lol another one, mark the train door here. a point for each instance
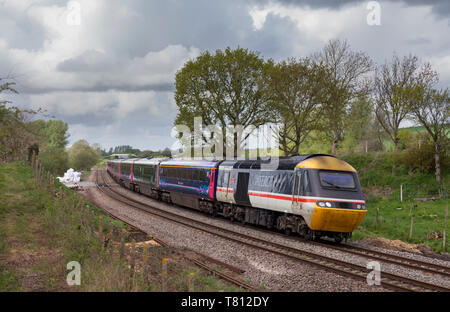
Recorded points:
(296, 191)
(228, 188)
(241, 195)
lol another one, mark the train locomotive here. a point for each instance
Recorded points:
(314, 195)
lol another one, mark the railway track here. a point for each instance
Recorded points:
(202, 264)
(427, 267)
(345, 268)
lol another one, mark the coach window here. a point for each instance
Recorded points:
(202, 175)
(195, 175)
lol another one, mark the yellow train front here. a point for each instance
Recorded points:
(312, 195)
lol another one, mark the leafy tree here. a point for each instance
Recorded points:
(358, 122)
(391, 101)
(54, 159)
(349, 81)
(56, 133)
(82, 156)
(431, 108)
(225, 88)
(15, 134)
(296, 87)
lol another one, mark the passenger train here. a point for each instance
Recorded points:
(314, 195)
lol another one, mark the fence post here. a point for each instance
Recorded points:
(164, 275)
(411, 227)
(122, 243)
(401, 192)
(146, 265)
(376, 217)
(100, 231)
(132, 256)
(191, 282)
(444, 243)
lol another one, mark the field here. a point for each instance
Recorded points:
(421, 201)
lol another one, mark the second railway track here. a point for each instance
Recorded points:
(353, 270)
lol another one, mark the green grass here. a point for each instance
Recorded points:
(382, 191)
(9, 280)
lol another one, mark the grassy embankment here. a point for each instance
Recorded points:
(382, 191)
(40, 234)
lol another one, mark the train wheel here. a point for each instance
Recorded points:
(287, 231)
(338, 239)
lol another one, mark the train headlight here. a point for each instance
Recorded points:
(321, 204)
(328, 204)
(358, 206)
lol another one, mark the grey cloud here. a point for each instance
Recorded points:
(440, 8)
(99, 87)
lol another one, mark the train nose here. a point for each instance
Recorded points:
(336, 219)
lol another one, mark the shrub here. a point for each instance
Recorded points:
(421, 158)
(54, 159)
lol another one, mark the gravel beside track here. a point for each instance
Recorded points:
(261, 268)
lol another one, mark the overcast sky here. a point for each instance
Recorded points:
(107, 67)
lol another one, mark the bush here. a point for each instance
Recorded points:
(54, 159)
(421, 159)
(82, 156)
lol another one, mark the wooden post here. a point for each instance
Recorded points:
(366, 147)
(164, 275)
(110, 244)
(401, 192)
(191, 282)
(132, 257)
(444, 243)
(411, 227)
(100, 231)
(146, 265)
(122, 244)
(52, 185)
(376, 217)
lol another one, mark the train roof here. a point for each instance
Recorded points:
(149, 161)
(191, 163)
(284, 163)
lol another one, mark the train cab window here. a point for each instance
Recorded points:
(337, 180)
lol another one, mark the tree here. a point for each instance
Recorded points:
(349, 81)
(82, 156)
(16, 136)
(227, 88)
(431, 108)
(296, 88)
(358, 122)
(391, 102)
(56, 133)
(54, 159)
